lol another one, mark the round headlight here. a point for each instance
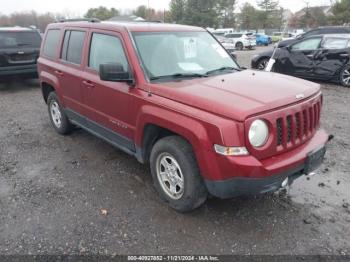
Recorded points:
(258, 133)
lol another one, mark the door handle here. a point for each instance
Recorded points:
(310, 56)
(57, 72)
(344, 55)
(88, 83)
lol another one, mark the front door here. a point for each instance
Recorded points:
(298, 59)
(109, 104)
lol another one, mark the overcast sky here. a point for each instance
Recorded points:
(79, 7)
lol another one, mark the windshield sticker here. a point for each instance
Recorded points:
(190, 66)
(220, 51)
(190, 47)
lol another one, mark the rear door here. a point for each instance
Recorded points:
(332, 57)
(299, 59)
(69, 68)
(19, 48)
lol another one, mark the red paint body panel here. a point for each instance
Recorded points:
(205, 111)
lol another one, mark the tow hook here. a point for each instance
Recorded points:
(330, 138)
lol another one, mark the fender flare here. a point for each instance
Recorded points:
(190, 129)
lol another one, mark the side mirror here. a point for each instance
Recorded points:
(115, 73)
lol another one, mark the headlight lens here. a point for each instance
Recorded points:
(258, 133)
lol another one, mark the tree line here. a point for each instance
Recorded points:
(205, 13)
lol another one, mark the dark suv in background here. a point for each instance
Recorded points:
(327, 30)
(19, 51)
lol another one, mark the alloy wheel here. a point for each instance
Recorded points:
(170, 176)
(345, 77)
(56, 114)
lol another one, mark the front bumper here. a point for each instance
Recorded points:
(250, 176)
(19, 70)
(251, 186)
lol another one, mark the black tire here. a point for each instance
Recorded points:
(65, 127)
(344, 76)
(239, 46)
(262, 63)
(194, 192)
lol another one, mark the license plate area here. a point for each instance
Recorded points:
(314, 159)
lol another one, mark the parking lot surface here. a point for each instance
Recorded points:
(78, 195)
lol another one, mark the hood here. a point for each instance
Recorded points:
(238, 95)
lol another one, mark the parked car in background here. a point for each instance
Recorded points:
(276, 37)
(324, 57)
(19, 51)
(288, 36)
(242, 40)
(222, 31)
(228, 44)
(262, 39)
(316, 31)
(204, 125)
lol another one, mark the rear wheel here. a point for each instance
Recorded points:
(176, 175)
(345, 76)
(239, 46)
(58, 118)
(262, 63)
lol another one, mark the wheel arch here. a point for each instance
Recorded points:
(156, 123)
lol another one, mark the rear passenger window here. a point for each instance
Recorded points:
(106, 49)
(335, 43)
(51, 43)
(73, 46)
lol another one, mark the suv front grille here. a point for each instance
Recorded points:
(290, 127)
(298, 127)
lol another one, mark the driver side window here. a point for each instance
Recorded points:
(308, 44)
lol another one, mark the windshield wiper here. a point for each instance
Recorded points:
(178, 76)
(224, 68)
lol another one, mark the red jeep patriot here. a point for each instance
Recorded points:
(173, 97)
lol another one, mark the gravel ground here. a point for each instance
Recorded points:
(52, 190)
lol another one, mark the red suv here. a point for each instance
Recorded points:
(171, 96)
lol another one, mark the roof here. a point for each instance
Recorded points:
(131, 26)
(16, 28)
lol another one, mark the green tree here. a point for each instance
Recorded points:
(270, 13)
(340, 13)
(226, 10)
(201, 13)
(141, 11)
(102, 13)
(249, 17)
(178, 11)
(313, 17)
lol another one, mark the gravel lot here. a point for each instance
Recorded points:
(52, 190)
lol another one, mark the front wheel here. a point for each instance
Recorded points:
(239, 46)
(345, 76)
(176, 175)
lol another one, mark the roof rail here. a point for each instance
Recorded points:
(90, 20)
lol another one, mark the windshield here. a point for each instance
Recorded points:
(182, 54)
(19, 39)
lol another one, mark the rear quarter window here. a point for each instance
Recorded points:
(51, 43)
